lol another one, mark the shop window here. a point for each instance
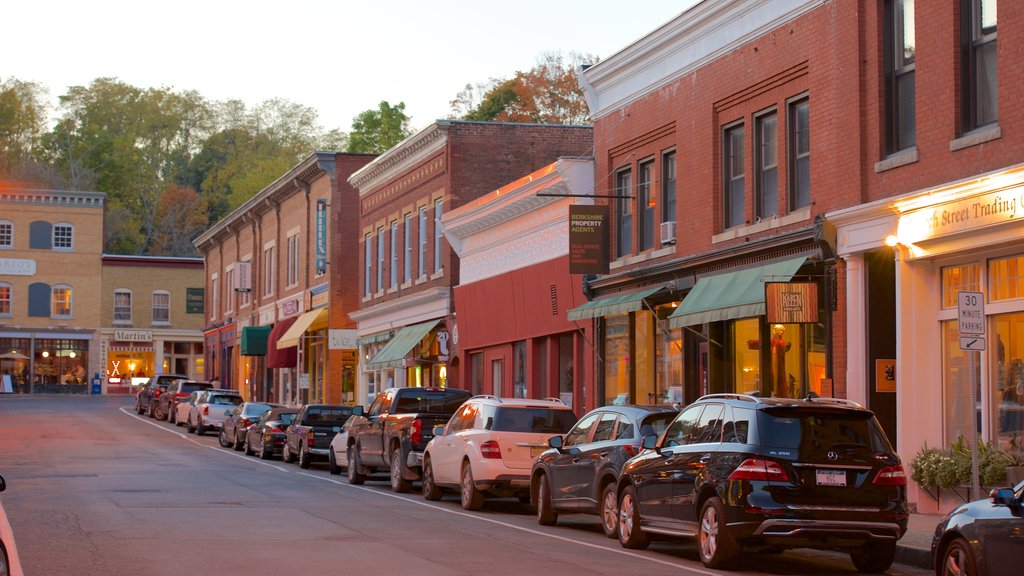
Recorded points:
(519, 369)
(646, 205)
(960, 412)
(476, 374)
(965, 277)
(623, 214)
(61, 301)
(669, 368)
(1006, 278)
(566, 371)
(733, 176)
(644, 358)
(5, 299)
(122, 306)
(1007, 380)
(616, 360)
(767, 165)
(978, 67)
(746, 338)
(899, 51)
(6, 234)
(161, 307)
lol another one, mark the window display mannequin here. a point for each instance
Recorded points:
(779, 347)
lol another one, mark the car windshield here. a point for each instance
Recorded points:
(226, 400)
(422, 400)
(546, 420)
(814, 432)
(286, 417)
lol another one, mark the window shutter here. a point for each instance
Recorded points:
(39, 299)
(40, 234)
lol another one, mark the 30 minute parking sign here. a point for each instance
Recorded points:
(971, 316)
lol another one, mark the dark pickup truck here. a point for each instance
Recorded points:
(309, 435)
(392, 433)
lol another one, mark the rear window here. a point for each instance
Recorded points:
(334, 416)
(415, 400)
(287, 417)
(655, 424)
(546, 420)
(255, 408)
(226, 400)
(194, 386)
(818, 431)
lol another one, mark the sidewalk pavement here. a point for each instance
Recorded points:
(915, 548)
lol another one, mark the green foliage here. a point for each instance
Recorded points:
(22, 123)
(951, 467)
(376, 131)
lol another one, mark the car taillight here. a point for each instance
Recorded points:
(309, 441)
(206, 410)
(416, 431)
(181, 395)
(490, 449)
(632, 449)
(757, 469)
(891, 476)
(246, 422)
(274, 430)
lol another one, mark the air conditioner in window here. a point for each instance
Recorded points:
(668, 232)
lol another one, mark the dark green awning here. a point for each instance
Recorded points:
(393, 355)
(614, 304)
(732, 295)
(254, 340)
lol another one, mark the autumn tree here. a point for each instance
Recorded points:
(181, 216)
(376, 131)
(22, 124)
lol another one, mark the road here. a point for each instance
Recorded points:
(95, 489)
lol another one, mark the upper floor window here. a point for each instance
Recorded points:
(269, 271)
(668, 187)
(800, 153)
(423, 242)
(214, 297)
(900, 115)
(63, 236)
(394, 254)
(161, 307)
(766, 161)
(368, 264)
(60, 301)
(646, 205)
(245, 296)
(122, 306)
(230, 289)
(293, 260)
(733, 176)
(407, 275)
(438, 264)
(5, 299)
(380, 259)
(979, 86)
(623, 214)
(6, 235)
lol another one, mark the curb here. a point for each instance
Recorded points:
(915, 557)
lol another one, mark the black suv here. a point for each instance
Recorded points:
(739, 471)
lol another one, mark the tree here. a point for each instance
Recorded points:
(376, 131)
(22, 123)
(181, 216)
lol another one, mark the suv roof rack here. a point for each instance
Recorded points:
(553, 399)
(816, 399)
(736, 396)
(487, 397)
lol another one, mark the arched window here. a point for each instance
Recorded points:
(60, 301)
(122, 306)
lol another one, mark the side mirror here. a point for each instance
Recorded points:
(650, 442)
(555, 442)
(358, 411)
(1002, 496)
(438, 430)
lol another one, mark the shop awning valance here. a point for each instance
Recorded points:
(374, 338)
(393, 355)
(281, 357)
(614, 304)
(254, 340)
(731, 295)
(301, 325)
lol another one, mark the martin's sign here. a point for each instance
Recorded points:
(133, 335)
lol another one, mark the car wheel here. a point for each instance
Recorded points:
(263, 454)
(305, 458)
(876, 557)
(247, 446)
(332, 463)
(630, 535)
(472, 499)
(957, 560)
(286, 454)
(546, 513)
(149, 410)
(222, 438)
(200, 428)
(354, 477)
(609, 511)
(398, 484)
(139, 409)
(715, 544)
(188, 426)
(431, 491)
(237, 445)
(170, 415)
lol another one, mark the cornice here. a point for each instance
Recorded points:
(391, 306)
(400, 157)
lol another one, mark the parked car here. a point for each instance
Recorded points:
(182, 408)
(984, 537)
(581, 471)
(309, 436)
(238, 420)
(149, 391)
(337, 455)
(209, 409)
(10, 565)
(266, 438)
(167, 402)
(738, 471)
(395, 429)
(489, 445)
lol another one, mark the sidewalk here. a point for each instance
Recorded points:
(915, 548)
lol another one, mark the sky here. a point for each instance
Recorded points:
(339, 57)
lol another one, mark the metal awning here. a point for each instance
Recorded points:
(374, 338)
(254, 340)
(393, 355)
(731, 295)
(614, 304)
(301, 325)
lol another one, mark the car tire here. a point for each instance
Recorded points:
(170, 416)
(138, 408)
(630, 535)
(957, 559)
(546, 513)
(263, 454)
(286, 454)
(472, 499)
(305, 458)
(200, 427)
(188, 426)
(237, 444)
(354, 477)
(715, 543)
(332, 463)
(431, 491)
(399, 485)
(222, 438)
(877, 557)
(608, 509)
(149, 410)
(247, 446)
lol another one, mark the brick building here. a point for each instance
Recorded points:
(407, 333)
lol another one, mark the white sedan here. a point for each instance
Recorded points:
(338, 453)
(9, 563)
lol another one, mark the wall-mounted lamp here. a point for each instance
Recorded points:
(891, 241)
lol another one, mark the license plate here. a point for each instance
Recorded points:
(536, 451)
(830, 477)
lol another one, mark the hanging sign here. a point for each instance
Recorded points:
(588, 239)
(791, 302)
(321, 236)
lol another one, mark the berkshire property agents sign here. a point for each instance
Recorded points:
(588, 239)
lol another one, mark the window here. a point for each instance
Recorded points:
(645, 205)
(767, 162)
(668, 187)
(122, 307)
(732, 162)
(605, 428)
(246, 296)
(161, 307)
(368, 265)
(955, 279)
(581, 431)
(623, 214)
(63, 234)
(1005, 278)
(407, 275)
(978, 77)
(6, 235)
(269, 271)
(214, 297)
(380, 259)
(682, 429)
(900, 122)
(437, 236)
(5, 299)
(60, 301)
(800, 154)
(394, 253)
(293, 260)
(423, 242)
(229, 284)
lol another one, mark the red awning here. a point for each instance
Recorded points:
(284, 357)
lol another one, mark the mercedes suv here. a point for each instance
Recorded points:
(743, 472)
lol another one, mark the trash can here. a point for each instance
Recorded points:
(97, 386)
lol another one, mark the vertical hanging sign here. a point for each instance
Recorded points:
(588, 239)
(321, 236)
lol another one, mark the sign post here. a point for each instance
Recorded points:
(971, 316)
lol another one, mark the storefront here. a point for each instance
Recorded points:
(308, 335)
(133, 356)
(282, 361)
(221, 344)
(44, 362)
(416, 356)
(253, 350)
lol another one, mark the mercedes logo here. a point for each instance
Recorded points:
(832, 455)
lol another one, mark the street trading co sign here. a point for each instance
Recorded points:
(588, 239)
(791, 302)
